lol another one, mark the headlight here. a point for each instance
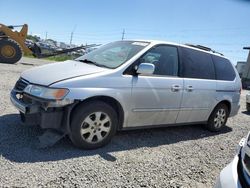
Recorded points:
(45, 92)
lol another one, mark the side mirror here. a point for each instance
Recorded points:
(146, 68)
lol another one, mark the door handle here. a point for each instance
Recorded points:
(175, 88)
(189, 88)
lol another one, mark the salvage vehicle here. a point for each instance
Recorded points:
(237, 173)
(129, 85)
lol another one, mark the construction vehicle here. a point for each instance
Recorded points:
(13, 47)
(245, 78)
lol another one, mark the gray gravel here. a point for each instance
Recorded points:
(186, 156)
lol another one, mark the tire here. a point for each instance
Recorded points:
(10, 51)
(248, 107)
(93, 125)
(218, 118)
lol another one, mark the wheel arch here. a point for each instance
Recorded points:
(226, 102)
(108, 100)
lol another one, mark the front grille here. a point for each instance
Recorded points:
(21, 84)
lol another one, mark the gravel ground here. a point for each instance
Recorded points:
(186, 156)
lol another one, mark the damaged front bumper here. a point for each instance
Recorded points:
(21, 105)
(53, 114)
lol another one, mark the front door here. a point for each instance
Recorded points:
(156, 98)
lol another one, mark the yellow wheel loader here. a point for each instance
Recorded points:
(12, 45)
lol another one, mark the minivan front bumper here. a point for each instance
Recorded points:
(228, 177)
(233, 176)
(236, 174)
(21, 106)
(40, 112)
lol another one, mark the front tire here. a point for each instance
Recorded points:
(218, 118)
(93, 125)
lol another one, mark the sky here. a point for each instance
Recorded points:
(223, 25)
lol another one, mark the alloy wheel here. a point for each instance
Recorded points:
(220, 118)
(95, 127)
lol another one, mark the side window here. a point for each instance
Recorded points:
(197, 64)
(165, 59)
(224, 69)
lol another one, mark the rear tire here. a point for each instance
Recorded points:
(93, 125)
(10, 51)
(218, 118)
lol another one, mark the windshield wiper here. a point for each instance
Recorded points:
(93, 62)
(87, 61)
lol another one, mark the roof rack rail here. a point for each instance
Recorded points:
(204, 48)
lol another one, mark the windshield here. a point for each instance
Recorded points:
(114, 54)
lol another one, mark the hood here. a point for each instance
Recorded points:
(55, 72)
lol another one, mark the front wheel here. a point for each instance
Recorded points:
(93, 125)
(218, 118)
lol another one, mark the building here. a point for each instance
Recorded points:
(240, 67)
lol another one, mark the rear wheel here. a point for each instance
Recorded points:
(10, 51)
(93, 125)
(218, 118)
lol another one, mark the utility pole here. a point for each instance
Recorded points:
(123, 33)
(72, 34)
(71, 37)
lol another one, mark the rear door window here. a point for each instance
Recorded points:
(197, 64)
(224, 68)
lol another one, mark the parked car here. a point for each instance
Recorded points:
(248, 102)
(237, 173)
(129, 85)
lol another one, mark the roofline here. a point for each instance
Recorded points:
(155, 42)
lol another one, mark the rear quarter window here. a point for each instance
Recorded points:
(223, 68)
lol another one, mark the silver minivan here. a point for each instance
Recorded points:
(129, 85)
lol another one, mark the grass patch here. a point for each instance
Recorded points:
(54, 58)
(59, 58)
